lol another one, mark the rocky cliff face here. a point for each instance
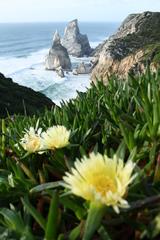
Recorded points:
(58, 55)
(76, 43)
(18, 99)
(135, 45)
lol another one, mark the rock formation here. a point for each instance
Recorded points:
(58, 55)
(82, 68)
(16, 99)
(60, 72)
(135, 45)
(76, 43)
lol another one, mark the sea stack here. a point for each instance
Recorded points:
(76, 43)
(57, 56)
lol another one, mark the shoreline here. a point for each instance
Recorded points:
(49, 83)
(26, 68)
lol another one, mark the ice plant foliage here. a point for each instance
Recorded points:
(31, 142)
(55, 137)
(101, 179)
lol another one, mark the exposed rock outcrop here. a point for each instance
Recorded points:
(57, 56)
(18, 99)
(75, 71)
(135, 45)
(82, 68)
(60, 72)
(76, 43)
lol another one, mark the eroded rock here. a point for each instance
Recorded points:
(135, 45)
(76, 43)
(60, 72)
(57, 56)
(82, 68)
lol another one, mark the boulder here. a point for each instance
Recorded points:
(75, 72)
(57, 56)
(76, 43)
(135, 46)
(60, 72)
(82, 68)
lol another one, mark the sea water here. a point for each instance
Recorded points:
(23, 47)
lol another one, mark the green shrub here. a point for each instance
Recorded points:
(125, 115)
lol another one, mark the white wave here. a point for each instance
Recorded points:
(30, 72)
(49, 83)
(11, 65)
(68, 88)
(36, 77)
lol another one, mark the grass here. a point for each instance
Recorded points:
(123, 117)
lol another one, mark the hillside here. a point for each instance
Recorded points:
(90, 169)
(18, 99)
(117, 135)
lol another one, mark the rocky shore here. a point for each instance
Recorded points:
(73, 44)
(134, 47)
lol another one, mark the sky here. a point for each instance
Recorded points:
(66, 10)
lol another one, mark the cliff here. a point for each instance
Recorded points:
(18, 99)
(135, 46)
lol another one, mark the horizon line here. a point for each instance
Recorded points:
(59, 22)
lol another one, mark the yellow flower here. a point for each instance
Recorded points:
(31, 142)
(55, 137)
(157, 222)
(101, 179)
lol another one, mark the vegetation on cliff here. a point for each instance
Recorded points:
(115, 131)
(18, 99)
(130, 49)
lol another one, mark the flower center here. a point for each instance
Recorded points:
(34, 143)
(103, 184)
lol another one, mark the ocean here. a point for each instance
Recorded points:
(23, 47)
